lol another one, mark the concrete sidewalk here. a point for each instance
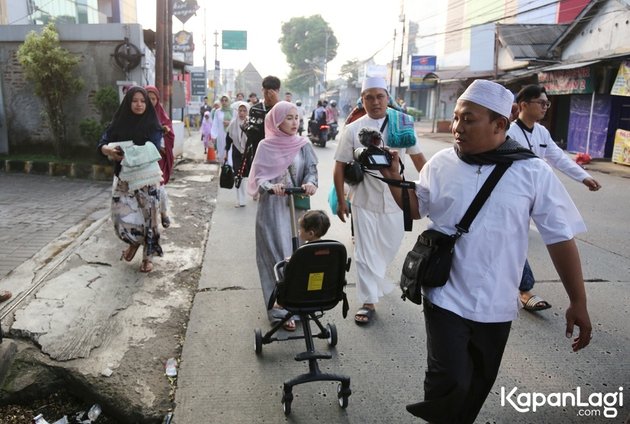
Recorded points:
(84, 320)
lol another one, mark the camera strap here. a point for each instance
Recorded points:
(405, 186)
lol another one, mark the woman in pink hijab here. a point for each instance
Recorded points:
(283, 159)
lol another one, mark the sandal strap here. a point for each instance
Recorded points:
(534, 300)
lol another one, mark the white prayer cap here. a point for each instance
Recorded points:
(490, 95)
(373, 82)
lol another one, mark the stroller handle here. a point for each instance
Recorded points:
(290, 190)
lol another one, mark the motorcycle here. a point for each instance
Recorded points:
(333, 131)
(318, 133)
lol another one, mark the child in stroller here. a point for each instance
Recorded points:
(312, 226)
(310, 282)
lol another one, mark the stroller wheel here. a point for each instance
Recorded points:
(342, 396)
(287, 398)
(286, 407)
(332, 334)
(258, 344)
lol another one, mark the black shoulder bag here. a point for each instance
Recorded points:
(428, 264)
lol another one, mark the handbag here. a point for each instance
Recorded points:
(226, 179)
(300, 201)
(428, 264)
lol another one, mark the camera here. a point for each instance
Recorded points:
(373, 157)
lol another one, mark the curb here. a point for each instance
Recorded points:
(56, 169)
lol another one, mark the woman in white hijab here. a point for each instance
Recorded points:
(235, 142)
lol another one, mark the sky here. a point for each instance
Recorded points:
(362, 28)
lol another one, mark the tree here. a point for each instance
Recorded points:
(309, 44)
(50, 68)
(350, 72)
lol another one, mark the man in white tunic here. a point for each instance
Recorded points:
(468, 319)
(377, 220)
(532, 106)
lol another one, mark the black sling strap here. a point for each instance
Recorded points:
(481, 198)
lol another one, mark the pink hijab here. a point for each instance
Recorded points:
(276, 151)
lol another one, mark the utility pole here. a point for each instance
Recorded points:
(326, 62)
(168, 80)
(160, 9)
(205, 53)
(163, 51)
(391, 71)
(400, 62)
(217, 67)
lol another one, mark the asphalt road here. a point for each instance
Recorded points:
(222, 380)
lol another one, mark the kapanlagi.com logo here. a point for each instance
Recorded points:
(593, 405)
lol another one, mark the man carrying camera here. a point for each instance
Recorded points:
(468, 319)
(377, 220)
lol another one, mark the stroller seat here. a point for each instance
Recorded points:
(307, 284)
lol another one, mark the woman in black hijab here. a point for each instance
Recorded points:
(132, 140)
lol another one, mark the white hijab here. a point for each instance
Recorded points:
(234, 129)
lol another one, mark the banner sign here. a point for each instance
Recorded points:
(621, 87)
(567, 81)
(184, 10)
(234, 40)
(621, 149)
(183, 42)
(420, 67)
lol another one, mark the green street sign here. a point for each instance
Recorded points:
(234, 40)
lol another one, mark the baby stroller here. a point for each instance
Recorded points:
(309, 283)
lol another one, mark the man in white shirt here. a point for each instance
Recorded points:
(533, 104)
(377, 220)
(468, 319)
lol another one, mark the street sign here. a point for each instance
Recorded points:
(198, 83)
(234, 40)
(184, 10)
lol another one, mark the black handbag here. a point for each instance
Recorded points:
(428, 264)
(226, 179)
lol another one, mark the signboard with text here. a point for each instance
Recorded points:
(621, 149)
(198, 83)
(420, 67)
(184, 10)
(621, 87)
(234, 40)
(567, 81)
(183, 42)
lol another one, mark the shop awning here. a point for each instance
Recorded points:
(565, 66)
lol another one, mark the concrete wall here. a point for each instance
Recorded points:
(94, 45)
(606, 34)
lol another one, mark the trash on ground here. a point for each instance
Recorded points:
(89, 417)
(171, 367)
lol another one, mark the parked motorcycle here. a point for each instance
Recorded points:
(318, 133)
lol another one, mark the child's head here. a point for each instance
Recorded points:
(313, 225)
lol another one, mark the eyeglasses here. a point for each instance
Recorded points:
(543, 103)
